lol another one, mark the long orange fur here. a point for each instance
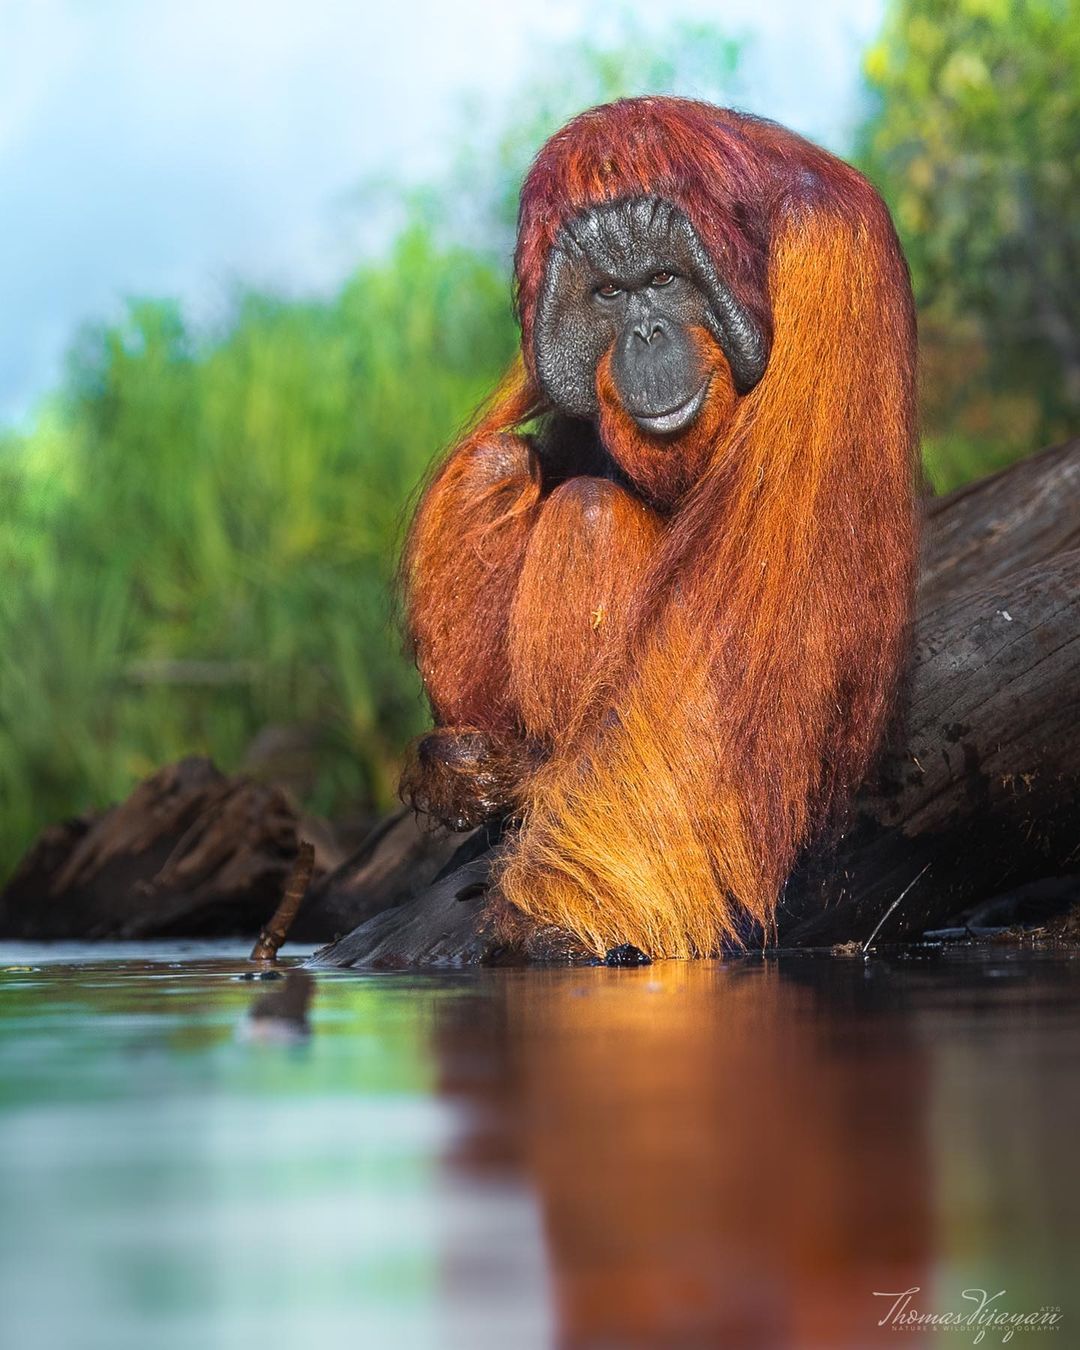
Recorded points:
(705, 663)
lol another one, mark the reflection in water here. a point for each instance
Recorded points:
(718, 1153)
(682, 1155)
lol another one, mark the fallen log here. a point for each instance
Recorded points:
(194, 852)
(983, 794)
(1000, 525)
(191, 853)
(401, 856)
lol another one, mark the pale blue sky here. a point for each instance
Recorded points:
(173, 147)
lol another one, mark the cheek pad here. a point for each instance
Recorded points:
(740, 338)
(568, 338)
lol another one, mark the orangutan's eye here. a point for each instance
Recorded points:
(662, 278)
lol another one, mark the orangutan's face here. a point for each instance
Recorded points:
(632, 278)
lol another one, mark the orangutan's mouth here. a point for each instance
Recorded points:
(676, 419)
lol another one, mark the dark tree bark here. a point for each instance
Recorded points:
(991, 529)
(196, 853)
(191, 853)
(983, 793)
(397, 861)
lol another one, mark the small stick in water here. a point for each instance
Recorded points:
(277, 930)
(881, 921)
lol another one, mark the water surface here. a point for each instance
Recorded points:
(682, 1155)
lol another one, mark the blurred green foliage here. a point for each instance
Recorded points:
(199, 541)
(976, 145)
(200, 530)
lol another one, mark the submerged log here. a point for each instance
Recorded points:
(980, 793)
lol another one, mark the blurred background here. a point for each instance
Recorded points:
(256, 273)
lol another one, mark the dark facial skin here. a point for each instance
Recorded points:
(633, 276)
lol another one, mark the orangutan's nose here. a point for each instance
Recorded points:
(647, 329)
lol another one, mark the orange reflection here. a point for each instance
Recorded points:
(710, 1165)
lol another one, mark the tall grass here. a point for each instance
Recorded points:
(199, 539)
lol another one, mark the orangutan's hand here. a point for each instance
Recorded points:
(463, 777)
